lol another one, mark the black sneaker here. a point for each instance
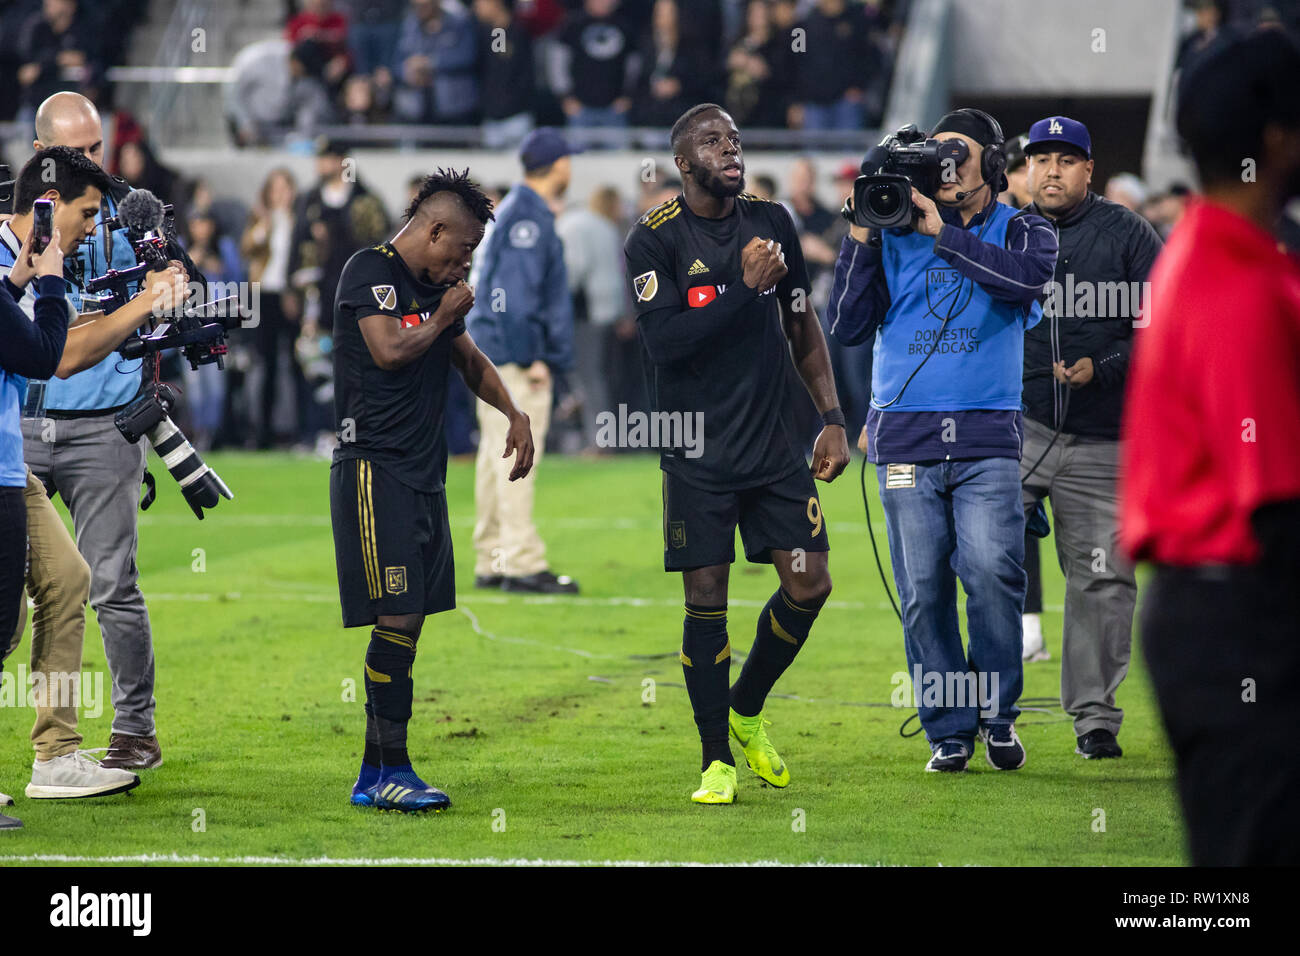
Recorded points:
(488, 581)
(543, 582)
(10, 823)
(1002, 747)
(1098, 744)
(949, 757)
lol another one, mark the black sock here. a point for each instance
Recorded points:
(706, 664)
(371, 754)
(783, 626)
(389, 660)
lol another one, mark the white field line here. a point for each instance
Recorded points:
(456, 521)
(172, 858)
(323, 597)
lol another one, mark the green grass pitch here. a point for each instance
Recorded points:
(536, 716)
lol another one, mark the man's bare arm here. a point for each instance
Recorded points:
(95, 335)
(812, 359)
(392, 346)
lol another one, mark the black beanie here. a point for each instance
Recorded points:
(968, 124)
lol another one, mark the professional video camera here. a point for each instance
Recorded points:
(199, 332)
(882, 196)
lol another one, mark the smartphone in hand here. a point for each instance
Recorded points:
(42, 224)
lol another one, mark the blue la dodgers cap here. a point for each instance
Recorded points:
(1059, 131)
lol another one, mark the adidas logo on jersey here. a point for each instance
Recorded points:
(697, 268)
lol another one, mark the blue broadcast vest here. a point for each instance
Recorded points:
(115, 380)
(979, 359)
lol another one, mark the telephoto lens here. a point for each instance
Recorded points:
(202, 487)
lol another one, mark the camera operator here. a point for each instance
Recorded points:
(948, 302)
(59, 578)
(1076, 364)
(89, 463)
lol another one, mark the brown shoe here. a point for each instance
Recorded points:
(129, 752)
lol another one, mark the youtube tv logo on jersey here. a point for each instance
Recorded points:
(701, 295)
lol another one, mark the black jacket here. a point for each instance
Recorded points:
(1100, 242)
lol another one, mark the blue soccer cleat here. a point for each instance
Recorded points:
(363, 791)
(403, 791)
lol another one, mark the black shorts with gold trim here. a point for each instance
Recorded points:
(392, 545)
(700, 525)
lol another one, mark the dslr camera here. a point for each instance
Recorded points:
(882, 195)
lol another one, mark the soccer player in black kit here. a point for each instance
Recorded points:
(398, 327)
(723, 305)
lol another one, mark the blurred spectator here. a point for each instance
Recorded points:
(1211, 18)
(266, 245)
(758, 70)
(436, 65)
(373, 29)
(310, 104)
(1127, 190)
(1016, 195)
(257, 98)
(594, 67)
(334, 219)
(851, 363)
(320, 22)
(136, 163)
(1164, 211)
(812, 219)
(508, 78)
(359, 105)
(764, 187)
(593, 237)
(217, 257)
(60, 50)
(677, 73)
(831, 74)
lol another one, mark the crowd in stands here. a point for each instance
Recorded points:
(609, 64)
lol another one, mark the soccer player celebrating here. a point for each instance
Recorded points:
(723, 305)
(398, 326)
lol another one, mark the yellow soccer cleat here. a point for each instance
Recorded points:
(717, 784)
(761, 756)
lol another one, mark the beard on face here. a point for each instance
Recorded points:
(715, 185)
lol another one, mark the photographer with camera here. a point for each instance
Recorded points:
(56, 198)
(71, 443)
(947, 284)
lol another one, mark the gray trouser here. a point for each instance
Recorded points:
(1080, 476)
(97, 473)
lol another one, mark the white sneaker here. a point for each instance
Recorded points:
(1033, 649)
(6, 800)
(76, 775)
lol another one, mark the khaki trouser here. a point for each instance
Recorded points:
(58, 580)
(505, 539)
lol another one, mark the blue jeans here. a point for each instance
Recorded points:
(842, 114)
(602, 117)
(959, 519)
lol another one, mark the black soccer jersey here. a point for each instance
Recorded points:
(686, 279)
(392, 418)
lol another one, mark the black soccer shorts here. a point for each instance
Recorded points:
(392, 545)
(700, 526)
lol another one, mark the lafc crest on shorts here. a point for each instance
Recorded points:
(395, 580)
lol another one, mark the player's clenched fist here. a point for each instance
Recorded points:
(458, 300)
(762, 264)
